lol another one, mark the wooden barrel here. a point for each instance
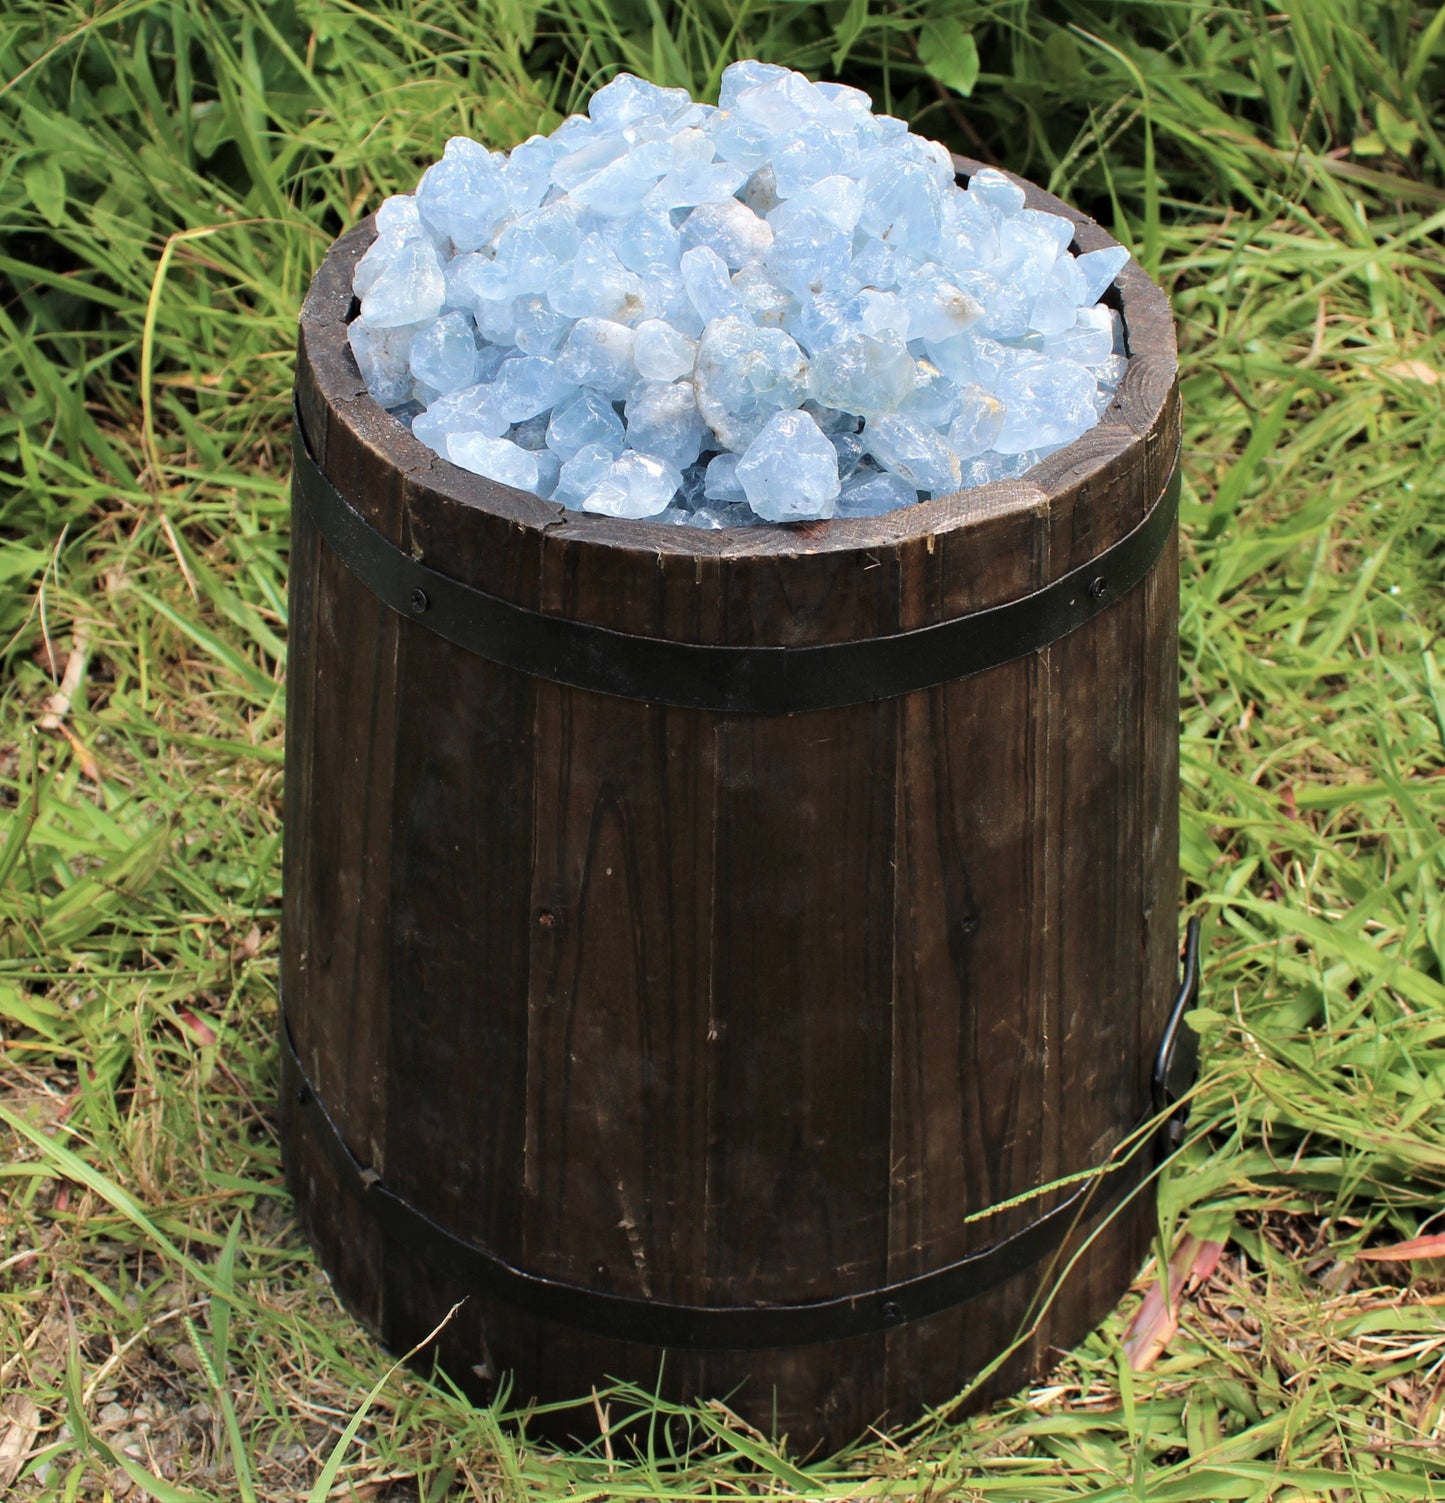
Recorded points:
(696, 943)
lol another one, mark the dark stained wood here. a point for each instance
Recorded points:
(729, 1009)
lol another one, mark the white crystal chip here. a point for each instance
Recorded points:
(781, 309)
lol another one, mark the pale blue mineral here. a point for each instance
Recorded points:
(527, 173)
(935, 399)
(620, 188)
(938, 308)
(534, 245)
(816, 150)
(598, 353)
(583, 473)
(649, 242)
(398, 215)
(586, 158)
(1066, 272)
(1032, 232)
(763, 300)
(850, 101)
(920, 454)
(665, 297)
(884, 313)
(595, 284)
(745, 75)
(1006, 299)
(811, 254)
(549, 470)
(1087, 340)
(876, 264)
(721, 482)
(826, 318)
(528, 385)
(709, 287)
(993, 466)
(662, 352)
(539, 328)
(1107, 378)
(444, 354)
(471, 411)
(971, 357)
(1100, 267)
(744, 143)
(628, 99)
(744, 374)
(849, 449)
(1053, 310)
(400, 281)
(874, 494)
(723, 316)
(838, 199)
(663, 420)
(782, 104)
(975, 430)
(730, 230)
(496, 458)
(635, 485)
(474, 285)
(1046, 403)
(863, 373)
(575, 131)
(587, 418)
(790, 470)
(996, 190)
(464, 196)
(383, 357)
(697, 183)
(903, 207)
(704, 517)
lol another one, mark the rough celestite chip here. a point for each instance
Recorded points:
(743, 375)
(783, 308)
(634, 485)
(790, 470)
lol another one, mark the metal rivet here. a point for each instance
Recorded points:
(419, 602)
(1097, 588)
(891, 1310)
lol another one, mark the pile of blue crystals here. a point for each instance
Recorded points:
(776, 310)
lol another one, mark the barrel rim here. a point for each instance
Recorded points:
(1136, 413)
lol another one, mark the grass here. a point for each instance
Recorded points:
(172, 173)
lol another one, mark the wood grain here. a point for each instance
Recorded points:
(729, 1009)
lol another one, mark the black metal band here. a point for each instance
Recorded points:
(761, 680)
(743, 1328)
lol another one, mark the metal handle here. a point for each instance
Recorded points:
(1177, 1062)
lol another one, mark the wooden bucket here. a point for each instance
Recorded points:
(692, 939)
